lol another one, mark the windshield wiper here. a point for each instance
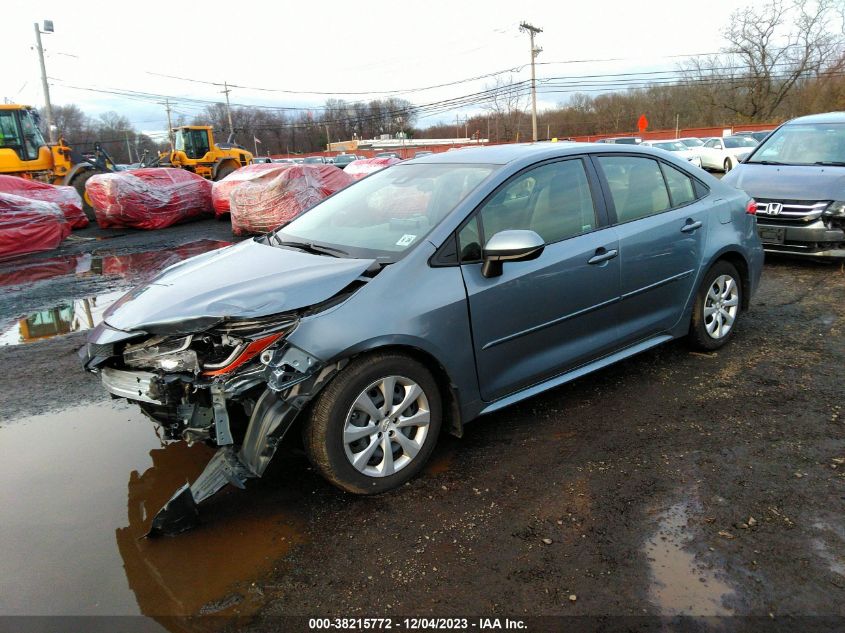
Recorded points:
(831, 163)
(766, 162)
(310, 247)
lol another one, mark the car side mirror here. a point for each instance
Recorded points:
(510, 246)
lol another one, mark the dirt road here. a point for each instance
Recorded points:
(672, 483)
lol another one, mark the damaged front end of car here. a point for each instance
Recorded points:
(203, 349)
(237, 384)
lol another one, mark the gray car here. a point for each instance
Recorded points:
(797, 176)
(422, 297)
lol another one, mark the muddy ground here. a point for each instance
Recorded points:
(672, 483)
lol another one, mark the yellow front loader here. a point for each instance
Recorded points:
(25, 153)
(194, 149)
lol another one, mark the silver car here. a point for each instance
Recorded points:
(797, 175)
(422, 297)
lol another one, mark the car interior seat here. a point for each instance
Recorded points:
(646, 192)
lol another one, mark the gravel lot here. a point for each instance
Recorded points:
(672, 483)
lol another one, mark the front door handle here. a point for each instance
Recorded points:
(690, 226)
(602, 255)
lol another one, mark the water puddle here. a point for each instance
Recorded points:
(681, 585)
(78, 490)
(77, 315)
(73, 316)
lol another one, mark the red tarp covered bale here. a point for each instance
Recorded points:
(222, 189)
(151, 198)
(30, 226)
(262, 204)
(66, 197)
(365, 166)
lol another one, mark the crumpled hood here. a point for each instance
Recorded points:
(788, 182)
(249, 279)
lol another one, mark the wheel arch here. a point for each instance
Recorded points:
(75, 171)
(222, 163)
(738, 261)
(453, 419)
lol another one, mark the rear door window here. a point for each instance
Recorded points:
(636, 186)
(681, 187)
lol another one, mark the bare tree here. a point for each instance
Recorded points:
(507, 103)
(771, 49)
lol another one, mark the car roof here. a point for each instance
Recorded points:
(504, 154)
(826, 117)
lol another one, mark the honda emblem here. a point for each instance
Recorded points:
(774, 208)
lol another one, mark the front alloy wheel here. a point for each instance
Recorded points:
(375, 424)
(386, 426)
(717, 305)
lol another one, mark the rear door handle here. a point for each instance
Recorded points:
(689, 227)
(602, 255)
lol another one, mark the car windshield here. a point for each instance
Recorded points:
(692, 142)
(388, 212)
(672, 146)
(803, 144)
(732, 142)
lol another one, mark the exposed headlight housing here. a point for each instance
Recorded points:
(168, 354)
(214, 352)
(835, 209)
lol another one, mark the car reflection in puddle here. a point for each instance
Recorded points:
(80, 314)
(65, 503)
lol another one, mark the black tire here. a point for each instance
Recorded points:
(699, 336)
(324, 429)
(224, 171)
(78, 183)
(727, 165)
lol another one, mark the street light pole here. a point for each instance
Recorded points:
(532, 30)
(48, 28)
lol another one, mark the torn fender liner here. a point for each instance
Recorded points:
(274, 414)
(180, 513)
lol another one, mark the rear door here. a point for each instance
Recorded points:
(660, 215)
(542, 317)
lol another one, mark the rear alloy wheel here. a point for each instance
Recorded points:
(375, 424)
(717, 307)
(727, 165)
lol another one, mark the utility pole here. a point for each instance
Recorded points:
(48, 28)
(226, 92)
(128, 147)
(328, 139)
(457, 126)
(169, 124)
(533, 30)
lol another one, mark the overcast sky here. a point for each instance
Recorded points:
(331, 46)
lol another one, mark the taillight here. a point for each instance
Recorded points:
(751, 209)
